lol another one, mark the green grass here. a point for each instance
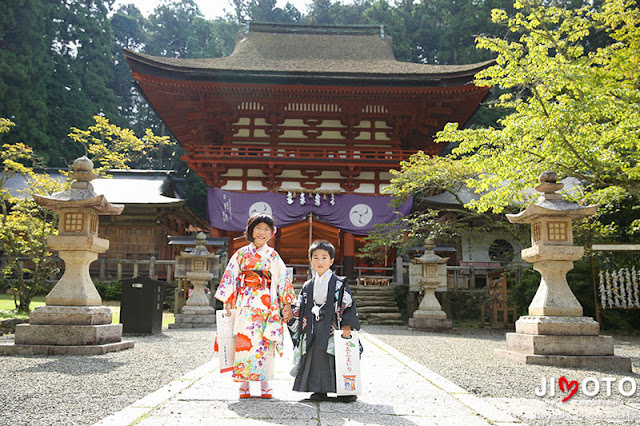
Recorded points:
(7, 309)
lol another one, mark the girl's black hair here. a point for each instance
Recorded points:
(255, 220)
(323, 245)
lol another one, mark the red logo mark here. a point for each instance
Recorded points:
(568, 386)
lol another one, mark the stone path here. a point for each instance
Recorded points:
(397, 391)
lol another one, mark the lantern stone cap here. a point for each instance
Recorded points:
(80, 194)
(200, 248)
(551, 204)
(429, 256)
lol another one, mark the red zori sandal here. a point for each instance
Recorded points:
(245, 393)
(267, 393)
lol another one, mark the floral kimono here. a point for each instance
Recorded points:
(256, 284)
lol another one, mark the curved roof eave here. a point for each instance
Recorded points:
(208, 70)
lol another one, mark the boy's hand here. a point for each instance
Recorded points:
(346, 331)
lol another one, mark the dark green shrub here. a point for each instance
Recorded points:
(109, 290)
(464, 305)
(400, 294)
(521, 293)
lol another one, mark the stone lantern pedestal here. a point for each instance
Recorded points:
(555, 332)
(197, 312)
(73, 320)
(430, 315)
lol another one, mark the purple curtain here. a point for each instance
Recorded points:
(353, 213)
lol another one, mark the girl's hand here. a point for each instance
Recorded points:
(287, 313)
(227, 307)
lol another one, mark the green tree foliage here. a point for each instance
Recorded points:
(445, 30)
(266, 11)
(399, 24)
(127, 24)
(328, 12)
(83, 81)
(424, 176)
(56, 70)
(25, 65)
(178, 29)
(111, 147)
(24, 226)
(572, 111)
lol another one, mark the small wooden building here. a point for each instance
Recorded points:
(154, 209)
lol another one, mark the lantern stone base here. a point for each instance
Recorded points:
(67, 330)
(571, 342)
(557, 325)
(611, 362)
(429, 320)
(70, 335)
(15, 349)
(66, 339)
(560, 345)
(195, 317)
(71, 315)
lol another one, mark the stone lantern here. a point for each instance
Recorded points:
(197, 312)
(430, 315)
(555, 332)
(73, 320)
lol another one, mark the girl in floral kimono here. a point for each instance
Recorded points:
(257, 285)
(325, 303)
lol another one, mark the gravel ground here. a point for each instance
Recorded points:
(465, 356)
(68, 390)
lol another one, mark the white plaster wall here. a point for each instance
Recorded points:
(255, 173)
(475, 246)
(366, 188)
(233, 185)
(255, 185)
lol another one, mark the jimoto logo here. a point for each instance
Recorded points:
(590, 386)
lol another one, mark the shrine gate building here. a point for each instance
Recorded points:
(304, 122)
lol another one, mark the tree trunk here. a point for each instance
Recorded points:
(25, 302)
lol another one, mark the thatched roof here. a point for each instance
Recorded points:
(361, 54)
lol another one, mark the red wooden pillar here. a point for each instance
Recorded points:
(349, 255)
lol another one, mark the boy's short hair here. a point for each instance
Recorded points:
(323, 245)
(255, 220)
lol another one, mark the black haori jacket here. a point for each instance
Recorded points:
(342, 311)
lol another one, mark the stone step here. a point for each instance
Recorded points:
(360, 291)
(377, 309)
(375, 295)
(380, 302)
(369, 302)
(383, 316)
(384, 322)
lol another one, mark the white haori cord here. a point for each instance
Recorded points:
(316, 310)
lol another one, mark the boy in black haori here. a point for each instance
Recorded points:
(324, 304)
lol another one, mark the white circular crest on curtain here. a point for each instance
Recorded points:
(360, 215)
(260, 207)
